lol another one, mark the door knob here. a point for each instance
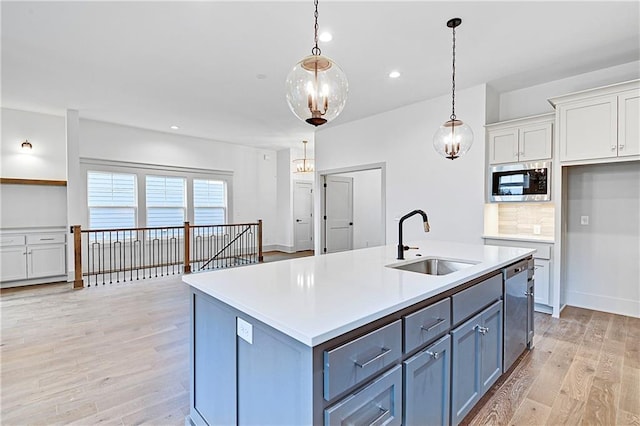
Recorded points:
(298, 220)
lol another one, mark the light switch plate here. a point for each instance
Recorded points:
(244, 330)
(584, 220)
(537, 229)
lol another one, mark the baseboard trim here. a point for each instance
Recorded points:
(278, 247)
(543, 308)
(598, 302)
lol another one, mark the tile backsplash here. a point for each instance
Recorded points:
(526, 219)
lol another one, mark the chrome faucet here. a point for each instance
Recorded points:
(425, 219)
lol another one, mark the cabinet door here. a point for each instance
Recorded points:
(490, 333)
(465, 368)
(535, 142)
(589, 129)
(46, 260)
(629, 123)
(427, 385)
(503, 146)
(541, 293)
(13, 265)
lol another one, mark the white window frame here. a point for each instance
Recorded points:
(223, 206)
(148, 206)
(135, 201)
(142, 170)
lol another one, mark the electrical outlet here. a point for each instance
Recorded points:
(584, 220)
(244, 330)
(537, 229)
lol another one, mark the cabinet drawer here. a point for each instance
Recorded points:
(379, 403)
(353, 362)
(474, 299)
(428, 323)
(12, 240)
(45, 238)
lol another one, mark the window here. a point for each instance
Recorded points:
(209, 202)
(166, 201)
(111, 200)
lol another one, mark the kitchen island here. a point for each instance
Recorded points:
(329, 339)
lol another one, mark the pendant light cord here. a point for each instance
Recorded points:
(316, 50)
(453, 78)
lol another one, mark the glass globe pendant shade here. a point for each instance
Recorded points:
(316, 89)
(453, 139)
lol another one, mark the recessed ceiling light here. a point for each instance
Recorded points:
(325, 36)
(261, 76)
(394, 74)
(174, 127)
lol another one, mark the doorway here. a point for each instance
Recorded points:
(351, 208)
(303, 215)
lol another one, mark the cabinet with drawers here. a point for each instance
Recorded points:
(30, 257)
(425, 364)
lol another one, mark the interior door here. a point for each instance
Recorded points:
(338, 213)
(303, 215)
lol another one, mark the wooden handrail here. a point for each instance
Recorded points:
(77, 251)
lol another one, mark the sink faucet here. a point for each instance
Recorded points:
(425, 219)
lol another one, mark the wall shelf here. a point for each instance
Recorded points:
(46, 182)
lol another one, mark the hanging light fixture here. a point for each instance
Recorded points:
(303, 165)
(316, 87)
(454, 138)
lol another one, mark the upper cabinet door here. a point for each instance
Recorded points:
(589, 129)
(535, 142)
(503, 146)
(629, 123)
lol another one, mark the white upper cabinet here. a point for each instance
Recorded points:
(599, 125)
(526, 139)
(629, 123)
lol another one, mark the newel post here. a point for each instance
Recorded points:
(187, 248)
(77, 252)
(260, 240)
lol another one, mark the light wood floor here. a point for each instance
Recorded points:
(119, 354)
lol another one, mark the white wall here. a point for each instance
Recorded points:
(533, 100)
(451, 192)
(47, 159)
(368, 229)
(603, 258)
(284, 238)
(33, 205)
(254, 170)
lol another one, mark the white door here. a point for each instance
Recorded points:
(338, 211)
(303, 215)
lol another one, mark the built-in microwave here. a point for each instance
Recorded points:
(520, 182)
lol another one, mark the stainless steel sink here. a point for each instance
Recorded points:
(434, 266)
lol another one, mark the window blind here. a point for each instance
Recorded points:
(209, 202)
(111, 200)
(166, 201)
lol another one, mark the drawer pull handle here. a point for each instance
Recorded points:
(483, 330)
(383, 352)
(47, 239)
(434, 355)
(383, 413)
(432, 326)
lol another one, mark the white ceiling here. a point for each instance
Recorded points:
(195, 64)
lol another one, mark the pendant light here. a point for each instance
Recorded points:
(454, 138)
(316, 86)
(303, 165)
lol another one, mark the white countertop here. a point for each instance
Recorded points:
(314, 299)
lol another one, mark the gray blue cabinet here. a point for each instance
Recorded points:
(427, 385)
(476, 349)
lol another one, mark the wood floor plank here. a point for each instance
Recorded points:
(627, 419)
(566, 411)
(630, 390)
(578, 379)
(551, 377)
(601, 403)
(531, 413)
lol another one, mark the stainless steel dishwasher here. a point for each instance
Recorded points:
(517, 311)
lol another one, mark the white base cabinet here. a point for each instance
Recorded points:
(32, 256)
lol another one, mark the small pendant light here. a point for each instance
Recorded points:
(454, 138)
(303, 165)
(316, 87)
